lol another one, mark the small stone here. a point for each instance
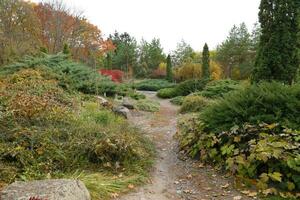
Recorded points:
(237, 198)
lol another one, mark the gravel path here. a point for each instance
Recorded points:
(174, 178)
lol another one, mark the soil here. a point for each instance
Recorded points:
(175, 177)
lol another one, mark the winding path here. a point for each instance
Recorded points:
(172, 178)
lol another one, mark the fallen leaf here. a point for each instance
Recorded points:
(114, 195)
(130, 186)
(189, 176)
(252, 194)
(201, 165)
(225, 186)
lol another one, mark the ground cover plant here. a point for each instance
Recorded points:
(253, 133)
(219, 88)
(47, 132)
(183, 89)
(70, 75)
(147, 105)
(193, 104)
(177, 100)
(266, 102)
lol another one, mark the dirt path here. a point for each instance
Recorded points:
(172, 178)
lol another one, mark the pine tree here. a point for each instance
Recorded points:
(205, 62)
(169, 69)
(277, 57)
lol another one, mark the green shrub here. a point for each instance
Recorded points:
(193, 104)
(270, 154)
(127, 89)
(183, 89)
(167, 93)
(177, 100)
(154, 85)
(266, 102)
(187, 87)
(219, 88)
(70, 75)
(147, 105)
(48, 132)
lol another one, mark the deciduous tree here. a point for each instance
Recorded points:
(19, 30)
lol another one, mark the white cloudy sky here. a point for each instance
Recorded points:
(195, 21)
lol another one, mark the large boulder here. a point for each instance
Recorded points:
(54, 189)
(123, 111)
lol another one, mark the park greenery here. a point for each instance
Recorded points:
(240, 103)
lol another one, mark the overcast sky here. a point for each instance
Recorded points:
(195, 21)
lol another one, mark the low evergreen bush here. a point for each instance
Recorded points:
(147, 105)
(219, 88)
(70, 75)
(187, 87)
(193, 104)
(266, 102)
(183, 89)
(154, 84)
(167, 93)
(177, 100)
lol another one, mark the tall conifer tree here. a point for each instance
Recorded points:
(169, 69)
(205, 62)
(277, 57)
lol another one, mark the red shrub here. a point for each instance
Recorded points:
(115, 75)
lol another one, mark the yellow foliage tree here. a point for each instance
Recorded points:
(215, 71)
(188, 70)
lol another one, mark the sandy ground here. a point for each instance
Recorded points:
(174, 178)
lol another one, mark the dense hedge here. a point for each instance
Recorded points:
(266, 102)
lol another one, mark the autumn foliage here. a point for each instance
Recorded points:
(116, 75)
(27, 28)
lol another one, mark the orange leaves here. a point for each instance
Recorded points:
(60, 26)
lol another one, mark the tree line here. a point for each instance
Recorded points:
(29, 28)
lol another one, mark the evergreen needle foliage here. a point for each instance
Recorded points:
(205, 62)
(169, 69)
(277, 57)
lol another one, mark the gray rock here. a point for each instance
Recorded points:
(123, 111)
(128, 104)
(103, 102)
(54, 189)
